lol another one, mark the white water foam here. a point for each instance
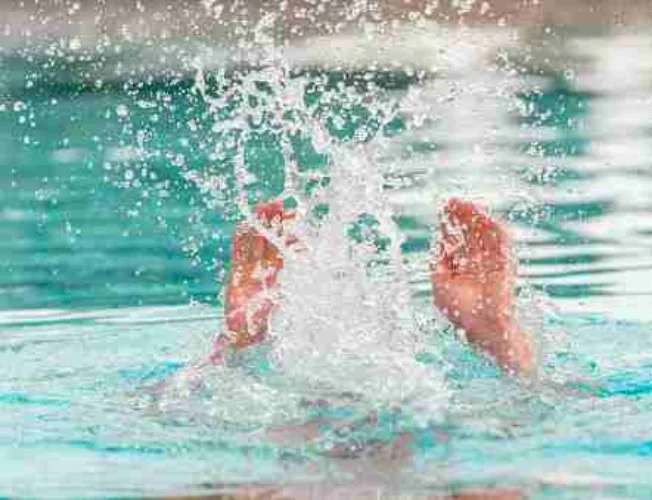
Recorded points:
(346, 323)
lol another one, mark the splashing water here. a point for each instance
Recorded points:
(346, 324)
(349, 330)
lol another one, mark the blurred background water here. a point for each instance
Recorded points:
(119, 200)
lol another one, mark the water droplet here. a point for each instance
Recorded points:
(122, 111)
(75, 43)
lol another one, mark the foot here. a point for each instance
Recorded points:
(253, 282)
(473, 277)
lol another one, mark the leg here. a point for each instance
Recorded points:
(253, 281)
(473, 278)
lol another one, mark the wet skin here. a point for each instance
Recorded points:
(473, 277)
(472, 272)
(253, 281)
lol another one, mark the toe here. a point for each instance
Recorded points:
(472, 241)
(270, 213)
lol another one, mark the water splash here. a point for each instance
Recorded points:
(346, 324)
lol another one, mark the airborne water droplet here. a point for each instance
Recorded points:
(121, 110)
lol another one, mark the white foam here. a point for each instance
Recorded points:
(346, 322)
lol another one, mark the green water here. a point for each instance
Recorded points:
(98, 205)
(117, 207)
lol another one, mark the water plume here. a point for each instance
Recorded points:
(345, 324)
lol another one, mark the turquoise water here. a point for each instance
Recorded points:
(120, 195)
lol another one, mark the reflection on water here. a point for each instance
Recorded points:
(118, 191)
(563, 152)
(575, 143)
(87, 421)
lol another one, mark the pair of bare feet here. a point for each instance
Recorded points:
(472, 272)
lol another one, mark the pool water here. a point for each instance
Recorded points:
(122, 184)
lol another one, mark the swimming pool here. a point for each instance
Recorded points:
(122, 184)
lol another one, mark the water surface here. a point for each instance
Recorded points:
(120, 197)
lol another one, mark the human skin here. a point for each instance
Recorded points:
(472, 272)
(473, 275)
(252, 285)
